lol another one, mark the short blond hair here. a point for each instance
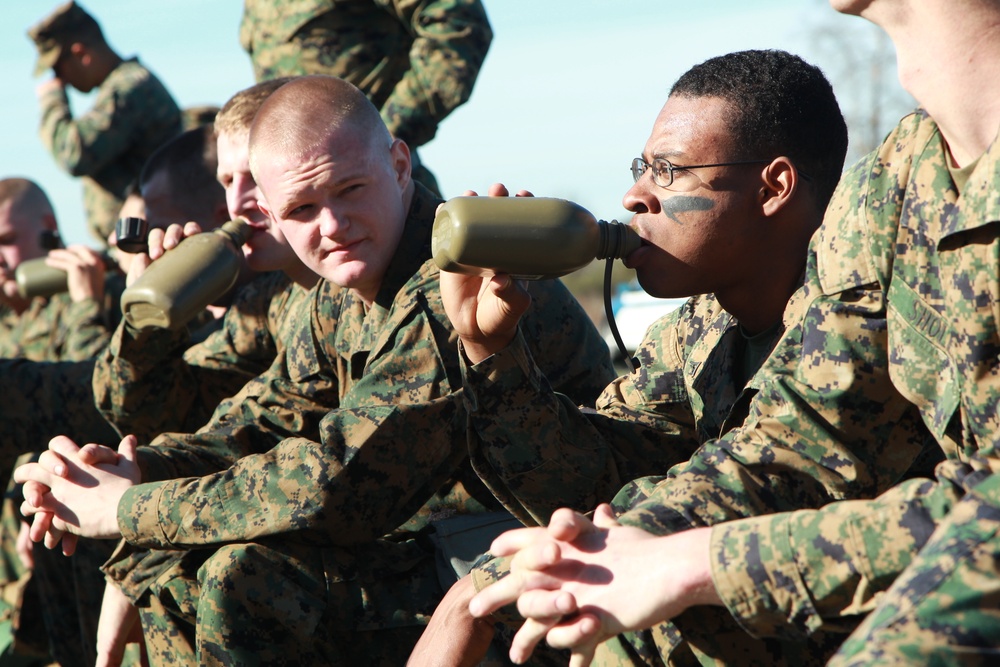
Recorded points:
(238, 113)
(304, 112)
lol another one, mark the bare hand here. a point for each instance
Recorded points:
(159, 241)
(578, 583)
(84, 269)
(33, 492)
(118, 626)
(454, 637)
(83, 498)
(485, 311)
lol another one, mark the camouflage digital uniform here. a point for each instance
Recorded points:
(890, 357)
(538, 452)
(316, 488)
(58, 329)
(416, 60)
(155, 381)
(45, 391)
(145, 383)
(133, 115)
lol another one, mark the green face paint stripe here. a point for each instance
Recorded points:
(685, 204)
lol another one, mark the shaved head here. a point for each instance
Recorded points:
(27, 204)
(305, 112)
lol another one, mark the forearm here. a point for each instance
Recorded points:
(86, 331)
(831, 562)
(537, 450)
(324, 493)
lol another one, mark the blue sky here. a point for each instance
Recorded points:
(565, 99)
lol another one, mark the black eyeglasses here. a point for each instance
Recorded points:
(663, 170)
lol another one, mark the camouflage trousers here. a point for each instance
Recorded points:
(70, 592)
(944, 609)
(276, 603)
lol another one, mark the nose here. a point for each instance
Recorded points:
(641, 198)
(332, 224)
(241, 197)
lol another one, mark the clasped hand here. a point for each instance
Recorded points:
(73, 491)
(580, 582)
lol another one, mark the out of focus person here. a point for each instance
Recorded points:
(132, 115)
(416, 61)
(69, 326)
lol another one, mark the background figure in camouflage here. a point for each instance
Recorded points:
(42, 400)
(415, 60)
(351, 487)
(182, 375)
(133, 113)
(70, 326)
(896, 330)
(535, 449)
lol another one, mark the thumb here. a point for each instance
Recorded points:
(604, 516)
(127, 452)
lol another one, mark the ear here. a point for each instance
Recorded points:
(779, 184)
(80, 51)
(399, 152)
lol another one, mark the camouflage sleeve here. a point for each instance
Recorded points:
(371, 465)
(84, 145)
(186, 382)
(451, 38)
(943, 606)
(44, 399)
(84, 331)
(396, 437)
(87, 326)
(814, 568)
(538, 451)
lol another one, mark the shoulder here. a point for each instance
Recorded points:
(855, 244)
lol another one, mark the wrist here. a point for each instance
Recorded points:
(699, 586)
(478, 349)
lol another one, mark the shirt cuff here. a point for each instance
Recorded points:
(494, 378)
(139, 516)
(756, 573)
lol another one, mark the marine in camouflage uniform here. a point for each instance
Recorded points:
(940, 533)
(416, 61)
(339, 464)
(898, 254)
(132, 115)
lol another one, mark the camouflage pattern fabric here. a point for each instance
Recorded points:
(690, 386)
(58, 329)
(416, 60)
(537, 451)
(155, 380)
(893, 356)
(133, 114)
(337, 442)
